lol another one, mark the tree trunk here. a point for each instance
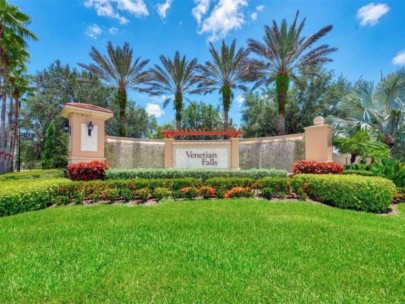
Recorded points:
(10, 127)
(15, 127)
(353, 157)
(178, 106)
(226, 102)
(122, 102)
(3, 120)
(282, 83)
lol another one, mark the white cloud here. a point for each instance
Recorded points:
(240, 100)
(260, 8)
(154, 109)
(227, 15)
(113, 30)
(108, 8)
(202, 7)
(371, 13)
(162, 8)
(399, 59)
(135, 7)
(93, 31)
(159, 99)
(253, 16)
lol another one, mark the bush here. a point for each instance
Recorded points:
(126, 194)
(278, 184)
(87, 171)
(160, 193)
(207, 192)
(189, 192)
(52, 173)
(359, 172)
(222, 183)
(363, 193)
(202, 174)
(313, 167)
(143, 194)
(238, 192)
(267, 193)
(399, 196)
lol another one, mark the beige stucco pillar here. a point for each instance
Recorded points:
(235, 153)
(168, 153)
(85, 145)
(318, 141)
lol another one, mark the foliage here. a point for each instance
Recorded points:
(207, 192)
(363, 193)
(160, 193)
(399, 196)
(87, 171)
(189, 192)
(268, 192)
(360, 144)
(305, 166)
(227, 183)
(121, 72)
(192, 173)
(143, 194)
(53, 173)
(280, 186)
(175, 77)
(126, 194)
(391, 169)
(48, 161)
(285, 51)
(359, 172)
(238, 192)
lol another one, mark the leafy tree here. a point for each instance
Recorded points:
(175, 77)
(227, 70)
(121, 72)
(285, 52)
(48, 159)
(379, 109)
(361, 145)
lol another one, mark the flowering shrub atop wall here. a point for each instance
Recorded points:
(239, 192)
(87, 171)
(313, 167)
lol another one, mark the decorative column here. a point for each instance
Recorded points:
(168, 153)
(235, 153)
(86, 131)
(318, 141)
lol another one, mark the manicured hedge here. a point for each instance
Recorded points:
(363, 193)
(314, 167)
(33, 174)
(358, 172)
(27, 195)
(193, 173)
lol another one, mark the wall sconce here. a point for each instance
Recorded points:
(90, 127)
(67, 128)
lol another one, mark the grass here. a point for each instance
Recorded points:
(228, 251)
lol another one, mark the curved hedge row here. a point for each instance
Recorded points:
(192, 173)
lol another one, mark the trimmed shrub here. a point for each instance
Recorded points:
(278, 184)
(363, 193)
(87, 171)
(359, 172)
(189, 192)
(223, 183)
(267, 193)
(160, 193)
(238, 192)
(399, 196)
(202, 174)
(126, 194)
(34, 174)
(143, 194)
(313, 167)
(207, 192)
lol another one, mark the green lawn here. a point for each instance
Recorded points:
(228, 251)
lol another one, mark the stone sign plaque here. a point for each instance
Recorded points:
(88, 143)
(202, 158)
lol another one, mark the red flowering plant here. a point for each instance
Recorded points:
(87, 171)
(239, 192)
(313, 167)
(207, 192)
(189, 192)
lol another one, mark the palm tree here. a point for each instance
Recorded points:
(285, 52)
(380, 109)
(13, 34)
(175, 77)
(121, 72)
(228, 70)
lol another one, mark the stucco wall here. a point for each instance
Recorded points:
(278, 152)
(130, 153)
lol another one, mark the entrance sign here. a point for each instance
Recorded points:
(202, 158)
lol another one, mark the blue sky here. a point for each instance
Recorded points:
(370, 36)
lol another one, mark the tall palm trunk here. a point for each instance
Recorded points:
(178, 105)
(122, 102)
(226, 101)
(10, 133)
(15, 126)
(3, 119)
(282, 84)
